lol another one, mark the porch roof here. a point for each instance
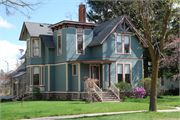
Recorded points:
(92, 61)
(18, 75)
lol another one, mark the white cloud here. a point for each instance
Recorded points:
(5, 24)
(10, 53)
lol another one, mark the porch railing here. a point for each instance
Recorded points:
(115, 90)
(97, 90)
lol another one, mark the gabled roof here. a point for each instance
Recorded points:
(104, 30)
(35, 29)
(48, 41)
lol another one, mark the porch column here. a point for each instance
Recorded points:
(109, 75)
(92, 71)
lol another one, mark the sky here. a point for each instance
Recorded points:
(52, 11)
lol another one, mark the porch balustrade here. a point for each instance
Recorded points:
(97, 90)
(115, 90)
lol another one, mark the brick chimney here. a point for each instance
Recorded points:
(82, 13)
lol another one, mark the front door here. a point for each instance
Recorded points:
(96, 72)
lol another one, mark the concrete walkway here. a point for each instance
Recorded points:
(97, 114)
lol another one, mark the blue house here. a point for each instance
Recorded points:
(59, 55)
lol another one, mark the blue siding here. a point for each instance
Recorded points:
(109, 48)
(84, 72)
(60, 77)
(52, 78)
(71, 44)
(96, 52)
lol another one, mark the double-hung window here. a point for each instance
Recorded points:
(122, 44)
(80, 42)
(36, 49)
(36, 76)
(124, 72)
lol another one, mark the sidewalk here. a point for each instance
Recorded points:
(97, 114)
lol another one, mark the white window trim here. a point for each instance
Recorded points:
(123, 66)
(59, 34)
(32, 47)
(122, 43)
(77, 42)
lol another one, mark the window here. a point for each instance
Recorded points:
(80, 44)
(123, 44)
(36, 76)
(124, 72)
(28, 48)
(74, 69)
(35, 48)
(119, 44)
(126, 44)
(80, 41)
(120, 72)
(59, 45)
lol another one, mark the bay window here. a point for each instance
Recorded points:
(36, 48)
(36, 76)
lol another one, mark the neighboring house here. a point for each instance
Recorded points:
(59, 55)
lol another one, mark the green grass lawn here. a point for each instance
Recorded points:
(163, 100)
(31, 109)
(135, 116)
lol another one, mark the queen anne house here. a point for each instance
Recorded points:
(59, 55)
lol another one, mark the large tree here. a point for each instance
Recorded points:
(152, 18)
(22, 6)
(169, 63)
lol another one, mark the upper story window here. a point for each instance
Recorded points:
(28, 48)
(80, 41)
(59, 42)
(122, 44)
(36, 47)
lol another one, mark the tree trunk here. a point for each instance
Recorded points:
(154, 78)
(146, 71)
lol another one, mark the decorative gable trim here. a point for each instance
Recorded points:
(130, 26)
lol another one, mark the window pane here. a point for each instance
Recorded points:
(120, 79)
(80, 43)
(36, 76)
(127, 69)
(119, 39)
(120, 71)
(36, 43)
(36, 51)
(127, 78)
(126, 48)
(126, 44)
(119, 47)
(126, 40)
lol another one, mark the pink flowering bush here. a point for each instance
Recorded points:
(139, 92)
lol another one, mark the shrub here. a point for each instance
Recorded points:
(36, 93)
(123, 86)
(139, 92)
(124, 89)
